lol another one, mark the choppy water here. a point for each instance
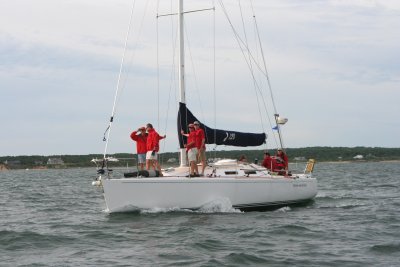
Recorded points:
(56, 218)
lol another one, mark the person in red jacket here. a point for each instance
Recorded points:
(191, 150)
(282, 162)
(268, 162)
(140, 137)
(153, 146)
(201, 146)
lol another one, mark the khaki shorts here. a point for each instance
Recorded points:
(201, 155)
(192, 154)
(150, 156)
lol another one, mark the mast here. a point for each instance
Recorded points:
(182, 97)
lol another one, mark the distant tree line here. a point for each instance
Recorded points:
(295, 154)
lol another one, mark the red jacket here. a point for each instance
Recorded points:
(153, 140)
(191, 140)
(199, 139)
(141, 142)
(283, 162)
(269, 163)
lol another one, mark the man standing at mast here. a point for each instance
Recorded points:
(201, 146)
(191, 150)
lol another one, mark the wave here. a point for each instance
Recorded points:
(340, 200)
(333, 196)
(358, 198)
(13, 240)
(341, 205)
(243, 259)
(384, 186)
(386, 248)
(210, 244)
(349, 205)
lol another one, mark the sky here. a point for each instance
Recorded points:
(334, 68)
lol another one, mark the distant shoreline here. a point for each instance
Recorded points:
(334, 155)
(40, 168)
(359, 161)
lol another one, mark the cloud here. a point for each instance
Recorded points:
(333, 67)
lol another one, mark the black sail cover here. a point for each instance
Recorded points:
(215, 136)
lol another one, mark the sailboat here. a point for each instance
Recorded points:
(245, 186)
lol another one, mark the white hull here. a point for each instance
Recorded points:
(245, 193)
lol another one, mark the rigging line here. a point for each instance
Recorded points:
(214, 80)
(158, 76)
(248, 62)
(240, 43)
(158, 71)
(243, 24)
(172, 76)
(125, 79)
(265, 108)
(186, 12)
(119, 79)
(251, 69)
(261, 93)
(263, 99)
(173, 79)
(240, 39)
(266, 71)
(260, 89)
(264, 62)
(194, 74)
(236, 34)
(195, 80)
(121, 82)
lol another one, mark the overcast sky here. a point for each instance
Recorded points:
(334, 67)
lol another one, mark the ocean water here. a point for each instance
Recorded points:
(57, 218)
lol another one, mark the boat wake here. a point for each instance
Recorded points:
(284, 209)
(219, 205)
(163, 210)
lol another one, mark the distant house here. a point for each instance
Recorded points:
(358, 157)
(55, 161)
(171, 160)
(299, 158)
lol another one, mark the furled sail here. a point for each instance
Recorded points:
(216, 136)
